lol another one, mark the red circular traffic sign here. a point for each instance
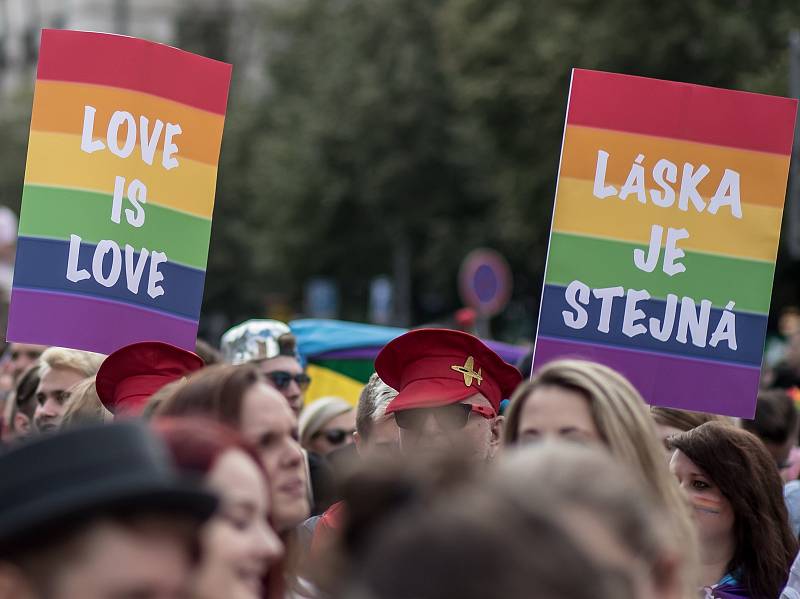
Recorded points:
(484, 281)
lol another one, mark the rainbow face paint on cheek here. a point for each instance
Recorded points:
(708, 505)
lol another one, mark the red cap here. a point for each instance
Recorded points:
(130, 375)
(436, 367)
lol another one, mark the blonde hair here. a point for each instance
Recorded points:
(317, 414)
(85, 362)
(623, 420)
(84, 405)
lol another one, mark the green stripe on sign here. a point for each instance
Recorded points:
(603, 263)
(58, 213)
(360, 370)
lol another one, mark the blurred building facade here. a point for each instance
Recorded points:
(224, 29)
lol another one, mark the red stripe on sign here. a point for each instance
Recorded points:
(682, 111)
(134, 64)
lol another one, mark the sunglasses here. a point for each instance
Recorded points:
(282, 379)
(452, 417)
(31, 355)
(334, 436)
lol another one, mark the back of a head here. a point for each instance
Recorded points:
(479, 546)
(215, 392)
(776, 417)
(585, 479)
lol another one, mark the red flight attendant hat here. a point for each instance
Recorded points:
(437, 367)
(130, 375)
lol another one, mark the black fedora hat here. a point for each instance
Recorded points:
(74, 473)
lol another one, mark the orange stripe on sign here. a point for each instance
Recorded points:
(58, 107)
(762, 175)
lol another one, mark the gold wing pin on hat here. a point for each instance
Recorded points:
(468, 370)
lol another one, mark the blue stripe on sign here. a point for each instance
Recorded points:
(750, 329)
(42, 264)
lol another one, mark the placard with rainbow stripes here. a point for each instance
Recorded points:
(119, 192)
(664, 236)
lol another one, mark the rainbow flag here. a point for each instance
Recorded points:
(664, 236)
(340, 355)
(119, 192)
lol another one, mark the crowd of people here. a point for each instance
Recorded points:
(160, 473)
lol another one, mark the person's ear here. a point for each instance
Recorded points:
(360, 443)
(13, 584)
(496, 432)
(22, 424)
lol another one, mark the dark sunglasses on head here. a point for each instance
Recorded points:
(334, 436)
(282, 379)
(450, 418)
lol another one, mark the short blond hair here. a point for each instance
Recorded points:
(84, 405)
(85, 362)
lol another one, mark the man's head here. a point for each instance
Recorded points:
(450, 386)
(84, 560)
(271, 345)
(375, 431)
(22, 356)
(239, 397)
(60, 369)
(775, 423)
(75, 515)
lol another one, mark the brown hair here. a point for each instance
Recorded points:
(426, 536)
(747, 476)
(216, 392)
(683, 419)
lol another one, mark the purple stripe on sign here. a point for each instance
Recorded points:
(668, 381)
(91, 324)
(510, 353)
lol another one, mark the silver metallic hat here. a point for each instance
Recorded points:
(254, 340)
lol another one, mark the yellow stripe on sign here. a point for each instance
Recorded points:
(754, 236)
(325, 382)
(56, 160)
(763, 175)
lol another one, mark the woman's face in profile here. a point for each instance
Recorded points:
(713, 513)
(238, 542)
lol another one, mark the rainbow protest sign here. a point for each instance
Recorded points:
(119, 192)
(664, 237)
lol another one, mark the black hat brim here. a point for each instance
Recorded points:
(129, 495)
